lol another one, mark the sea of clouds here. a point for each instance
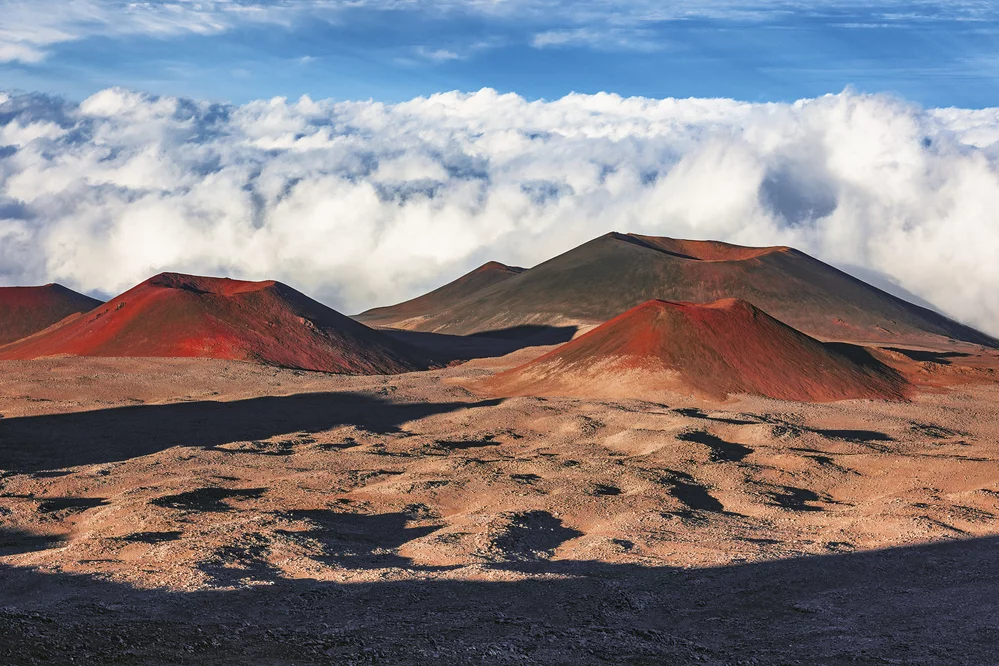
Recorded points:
(364, 203)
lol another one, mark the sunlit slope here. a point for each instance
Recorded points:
(710, 350)
(185, 315)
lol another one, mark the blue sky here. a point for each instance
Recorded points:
(936, 54)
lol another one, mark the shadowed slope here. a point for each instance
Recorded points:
(27, 310)
(926, 604)
(714, 350)
(440, 299)
(184, 315)
(35, 443)
(608, 275)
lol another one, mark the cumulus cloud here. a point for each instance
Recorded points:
(364, 203)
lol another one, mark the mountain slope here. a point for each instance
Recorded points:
(610, 274)
(411, 311)
(714, 350)
(27, 310)
(184, 315)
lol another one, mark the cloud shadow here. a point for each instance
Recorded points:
(488, 344)
(922, 604)
(54, 441)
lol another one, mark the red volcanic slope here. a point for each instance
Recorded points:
(185, 315)
(725, 347)
(442, 298)
(27, 310)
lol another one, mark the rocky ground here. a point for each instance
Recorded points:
(191, 511)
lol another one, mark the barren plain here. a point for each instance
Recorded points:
(196, 511)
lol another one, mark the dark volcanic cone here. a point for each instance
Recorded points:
(408, 314)
(602, 278)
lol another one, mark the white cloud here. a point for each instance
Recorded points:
(30, 28)
(364, 203)
(437, 55)
(14, 51)
(614, 39)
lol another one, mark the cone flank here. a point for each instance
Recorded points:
(173, 314)
(712, 350)
(443, 298)
(25, 311)
(600, 279)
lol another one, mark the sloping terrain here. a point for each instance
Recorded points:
(27, 310)
(714, 350)
(442, 298)
(602, 278)
(192, 511)
(184, 315)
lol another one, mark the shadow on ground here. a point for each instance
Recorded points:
(943, 358)
(15, 541)
(488, 344)
(356, 540)
(917, 605)
(37, 443)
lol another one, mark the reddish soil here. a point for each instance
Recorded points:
(27, 310)
(173, 315)
(600, 279)
(715, 350)
(442, 298)
(707, 250)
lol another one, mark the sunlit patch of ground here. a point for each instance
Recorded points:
(230, 513)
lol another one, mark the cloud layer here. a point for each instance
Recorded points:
(363, 203)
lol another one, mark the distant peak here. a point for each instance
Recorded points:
(707, 250)
(494, 266)
(51, 286)
(697, 250)
(223, 286)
